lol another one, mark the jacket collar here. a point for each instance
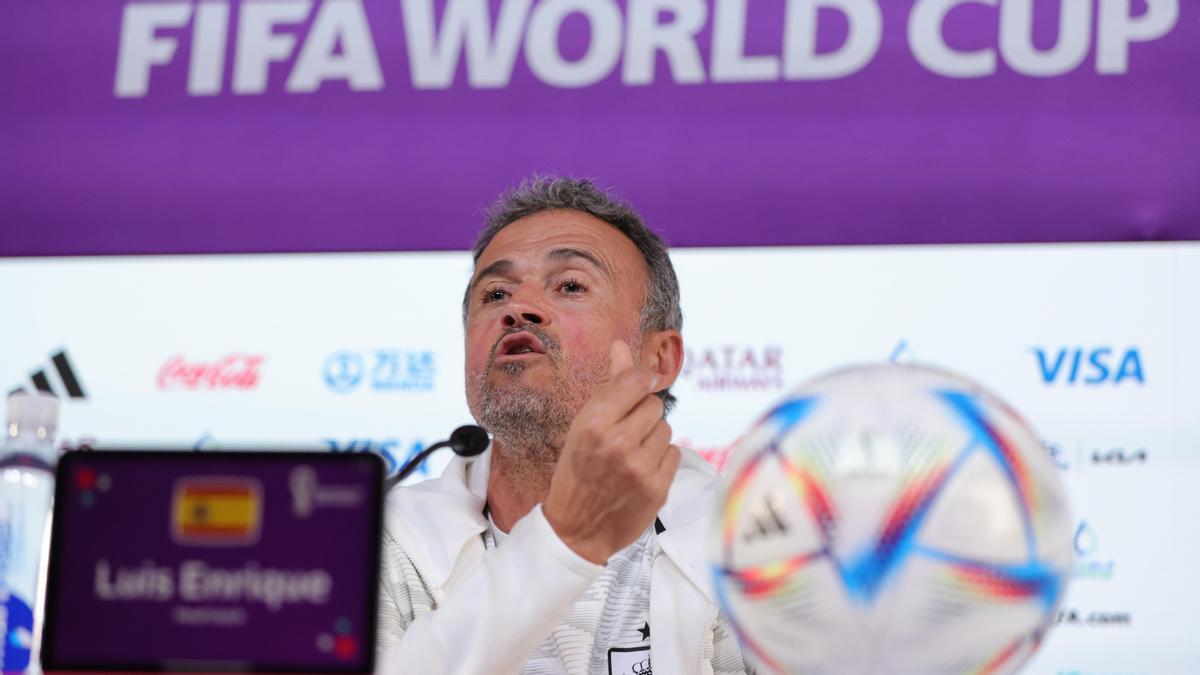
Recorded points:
(433, 520)
(688, 518)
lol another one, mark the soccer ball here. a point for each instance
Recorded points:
(890, 519)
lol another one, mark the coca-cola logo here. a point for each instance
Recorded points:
(233, 371)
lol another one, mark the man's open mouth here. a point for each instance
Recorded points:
(518, 344)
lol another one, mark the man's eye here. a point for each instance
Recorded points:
(571, 286)
(494, 295)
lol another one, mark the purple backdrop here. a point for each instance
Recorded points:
(893, 152)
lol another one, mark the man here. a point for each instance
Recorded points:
(576, 543)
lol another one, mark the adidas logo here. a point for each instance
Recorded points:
(767, 524)
(67, 380)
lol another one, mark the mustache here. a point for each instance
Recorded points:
(549, 342)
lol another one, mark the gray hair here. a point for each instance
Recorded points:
(660, 306)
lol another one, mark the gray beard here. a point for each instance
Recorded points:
(530, 426)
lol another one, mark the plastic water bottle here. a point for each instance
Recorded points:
(27, 462)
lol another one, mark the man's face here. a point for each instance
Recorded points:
(551, 293)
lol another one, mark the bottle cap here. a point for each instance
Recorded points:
(30, 412)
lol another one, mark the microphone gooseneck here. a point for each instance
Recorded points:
(466, 441)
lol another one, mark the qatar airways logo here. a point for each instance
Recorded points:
(302, 44)
(232, 371)
(735, 367)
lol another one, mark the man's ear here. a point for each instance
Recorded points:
(662, 352)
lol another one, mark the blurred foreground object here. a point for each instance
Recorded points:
(27, 460)
(891, 519)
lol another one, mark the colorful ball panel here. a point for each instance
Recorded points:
(891, 519)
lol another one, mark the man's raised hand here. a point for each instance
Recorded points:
(616, 465)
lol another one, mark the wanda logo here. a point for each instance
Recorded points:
(233, 371)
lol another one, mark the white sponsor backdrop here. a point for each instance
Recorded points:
(1096, 344)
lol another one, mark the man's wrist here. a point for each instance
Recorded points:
(579, 544)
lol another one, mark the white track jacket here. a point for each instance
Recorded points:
(493, 610)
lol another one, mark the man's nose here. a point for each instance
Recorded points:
(521, 311)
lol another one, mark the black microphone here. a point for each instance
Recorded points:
(466, 441)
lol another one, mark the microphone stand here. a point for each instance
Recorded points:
(466, 441)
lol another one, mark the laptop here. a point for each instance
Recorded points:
(214, 562)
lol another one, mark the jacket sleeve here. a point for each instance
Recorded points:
(497, 614)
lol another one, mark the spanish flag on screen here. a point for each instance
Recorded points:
(216, 511)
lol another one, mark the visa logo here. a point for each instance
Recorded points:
(1094, 366)
(395, 453)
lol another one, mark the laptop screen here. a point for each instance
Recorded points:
(220, 561)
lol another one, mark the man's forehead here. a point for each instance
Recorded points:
(556, 236)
